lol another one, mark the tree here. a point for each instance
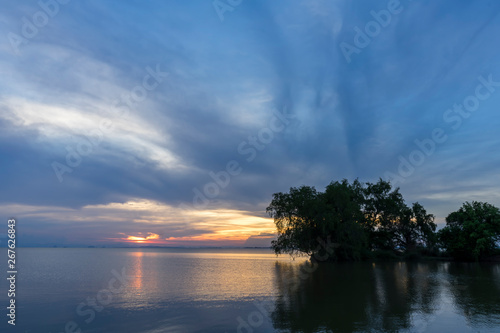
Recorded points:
(415, 229)
(391, 224)
(384, 208)
(472, 232)
(306, 219)
(343, 219)
(295, 216)
(355, 218)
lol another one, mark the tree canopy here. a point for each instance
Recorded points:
(472, 232)
(351, 219)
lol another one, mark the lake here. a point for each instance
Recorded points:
(245, 290)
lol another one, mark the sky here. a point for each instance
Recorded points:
(172, 123)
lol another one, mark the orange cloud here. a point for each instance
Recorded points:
(182, 227)
(141, 239)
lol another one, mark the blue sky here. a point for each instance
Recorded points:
(175, 121)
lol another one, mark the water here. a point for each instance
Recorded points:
(200, 290)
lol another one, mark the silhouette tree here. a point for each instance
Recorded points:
(354, 218)
(305, 219)
(415, 229)
(296, 216)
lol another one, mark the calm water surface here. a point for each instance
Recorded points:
(250, 290)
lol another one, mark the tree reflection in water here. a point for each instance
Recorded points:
(476, 292)
(383, 297)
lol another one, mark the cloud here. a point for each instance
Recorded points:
(137, 221)
(223, 83)
(141, 239)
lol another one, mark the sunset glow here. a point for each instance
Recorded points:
(189, 138)
(140, 239)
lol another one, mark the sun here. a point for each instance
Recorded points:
(142, 239)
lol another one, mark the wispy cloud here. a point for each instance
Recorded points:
(222, 83)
